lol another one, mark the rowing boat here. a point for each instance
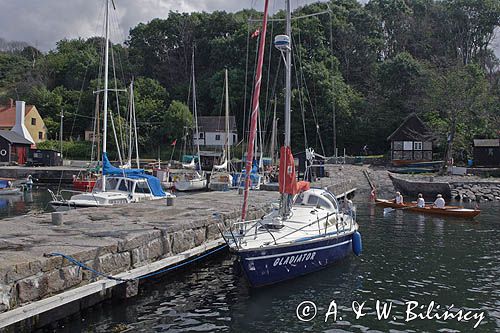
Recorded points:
(454, 211)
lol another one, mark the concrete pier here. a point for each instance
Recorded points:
(130, 240)
(124, 241)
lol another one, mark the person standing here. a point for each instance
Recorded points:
(420, 201)
(439, 203)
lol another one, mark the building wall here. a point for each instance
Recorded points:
(411, 150)
(35, 125)
(34, 129)
(215, 139)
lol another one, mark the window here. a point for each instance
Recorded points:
(217, 137)
(201, 135)
(407, 145)
(312, 200)
(323, 203)
(125, 186)
(417, 145)
(33, 121)
(40, 135)
(142, 187)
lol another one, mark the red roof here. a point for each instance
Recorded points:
(8, 115)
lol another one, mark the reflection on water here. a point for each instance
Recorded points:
(406, 257)
(32, 202)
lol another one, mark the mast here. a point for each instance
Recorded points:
(255, 111)
(285, 207)
(288, 76)
(273, 135)
(228, 155)
(197, 134)
(129, 157)
(105, 113)
(134, 120)
(61, 133)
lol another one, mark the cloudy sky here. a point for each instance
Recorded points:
(42, 23)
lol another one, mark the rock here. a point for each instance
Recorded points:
(152, 250)
(5, 297)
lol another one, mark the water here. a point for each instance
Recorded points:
(407, 257)
(33, 202)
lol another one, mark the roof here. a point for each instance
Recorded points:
(486, 142)
(8, 115)
(412, 126)
(216, 124)
(13, 137)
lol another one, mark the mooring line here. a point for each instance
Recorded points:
(83, 266)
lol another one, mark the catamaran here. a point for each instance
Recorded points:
(308, 230)
(116, 185)
(194, 179)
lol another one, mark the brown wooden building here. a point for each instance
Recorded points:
(411, 141)
(487, 152)
(13, 148)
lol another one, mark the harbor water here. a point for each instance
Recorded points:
(441, 263)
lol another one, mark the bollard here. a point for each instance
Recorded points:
(170, 201)
(57, 218)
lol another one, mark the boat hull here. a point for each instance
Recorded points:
(276, 264)
(452, 211)
(84, 185)
(10, 191)
(190, 185)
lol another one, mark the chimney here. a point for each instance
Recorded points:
(19, 127)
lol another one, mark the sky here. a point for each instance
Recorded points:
(42, 23)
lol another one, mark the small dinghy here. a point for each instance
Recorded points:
(454, 211)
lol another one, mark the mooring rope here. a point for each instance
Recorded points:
(110, 277)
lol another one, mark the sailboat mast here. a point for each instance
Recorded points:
(195, 112)
(228, 155)
(129, 157)
(285, 207)
(255, 111)
(288, 76)
(105, 112)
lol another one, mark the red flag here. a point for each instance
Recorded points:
(174, 142)
(256, 33)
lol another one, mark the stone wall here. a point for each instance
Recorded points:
(25, 282)
(476, 191)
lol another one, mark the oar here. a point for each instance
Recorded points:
(388, 210)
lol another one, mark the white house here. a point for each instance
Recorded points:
(212, 131)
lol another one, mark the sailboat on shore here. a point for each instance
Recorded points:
(195, 178)
(309, 230)
(116, 185)
(221, 178)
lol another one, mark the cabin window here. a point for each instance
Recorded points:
(111, 183)
(217, 137)
(312, 200)
(417, 145)
(125, 186)
(33, 121)
(142, 187)
(323, 203)
(407, 145)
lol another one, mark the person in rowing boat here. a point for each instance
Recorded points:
(398, 199)
(439, 203)
(420, 201)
